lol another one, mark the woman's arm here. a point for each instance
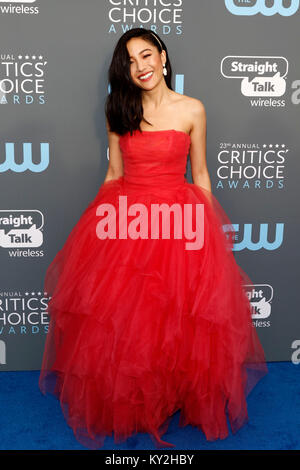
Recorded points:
(115, 165)
(199, 169)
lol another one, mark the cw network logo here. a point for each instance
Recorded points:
(27, 164)
(262, 239)
(252, 7)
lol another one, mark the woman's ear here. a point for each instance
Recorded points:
(163, 57)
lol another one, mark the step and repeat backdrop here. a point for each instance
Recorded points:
(240, 58)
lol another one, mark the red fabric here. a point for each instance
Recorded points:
(140, 328)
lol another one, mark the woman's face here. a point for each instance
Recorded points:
(146, 63)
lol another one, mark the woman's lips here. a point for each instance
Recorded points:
(147, 75)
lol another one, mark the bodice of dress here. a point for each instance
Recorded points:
(155, 158)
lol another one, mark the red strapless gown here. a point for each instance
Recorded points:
(140, 328)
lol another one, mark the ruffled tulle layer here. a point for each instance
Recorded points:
(142, 328)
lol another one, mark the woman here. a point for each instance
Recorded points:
(143, 323)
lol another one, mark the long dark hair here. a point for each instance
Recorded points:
(123, 106)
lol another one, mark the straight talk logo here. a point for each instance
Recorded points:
(18, 7)
(261, 77)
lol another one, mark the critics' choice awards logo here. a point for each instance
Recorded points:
(22, 78)
(245, 166)
(161, 16)
(23, 313)
(9, 162)
(260, 76)
(260, 297)
(19, 7)
(21, 229)
(255, 237)
(265, 7)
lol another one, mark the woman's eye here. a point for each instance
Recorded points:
(144, 57)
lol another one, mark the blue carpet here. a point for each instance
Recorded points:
(31, 421)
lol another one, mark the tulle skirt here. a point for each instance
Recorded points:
(142, 328)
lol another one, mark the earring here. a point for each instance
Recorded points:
(165, 72)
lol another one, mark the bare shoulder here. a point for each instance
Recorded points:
(193, 104)
(192, 108)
